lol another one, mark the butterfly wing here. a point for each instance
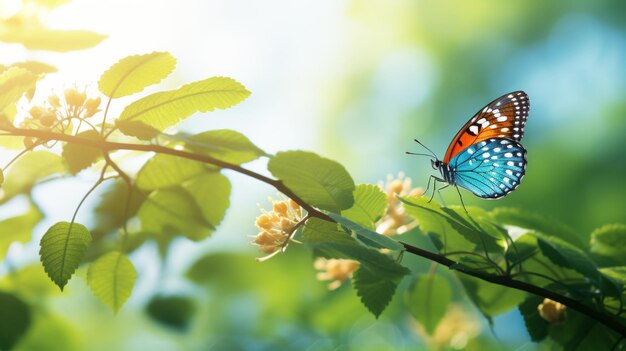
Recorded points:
(504, 117)
(491, 168)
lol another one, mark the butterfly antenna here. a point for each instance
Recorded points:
(425, 147)
(417, 154)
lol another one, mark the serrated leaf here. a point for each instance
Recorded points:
(111, 278)
(63, 247)
(163, 171)
(35, 67)
(451, 229)
(14, 82)
(211, 192)
(134, 73)
(610, 241)
(225, 145)
(536, 326)
(173, 211)
(534, 221)
(78, 156)
(368, 237)
(18, 228)
(319, 181)
(375, 293)
(29, 32)
(427, 299)
(28, 170)
(491, 299)
(369, 205)
(15, 320)
(172, 311)
(165, 109)
(566, 255)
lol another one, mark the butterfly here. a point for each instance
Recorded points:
(486, 157)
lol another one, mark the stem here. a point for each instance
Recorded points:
(503, 280)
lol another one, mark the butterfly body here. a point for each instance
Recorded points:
(486, 157)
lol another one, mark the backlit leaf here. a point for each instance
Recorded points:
(28, 170)
(319, 181)
(211, 192)
(491, 299)
(111, 278)
(173, 211)
(165, 109)
(163, 171)
(566, 255)
(18, 229)
(368, 237)
(78, 156)
(375, 293)
(225, 145)
(14, 82)
(369, 205)
(35, 67)
(137, 129)
(134, 73)
(62, 250)
(427, 299)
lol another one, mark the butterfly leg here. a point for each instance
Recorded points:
(437, 179)
(439, 192)
(461, 197)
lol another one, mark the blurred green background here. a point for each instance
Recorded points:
(355, 81)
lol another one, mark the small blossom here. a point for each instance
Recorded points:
(455, 330)
(395, 220)
(552, 311)
(277, 226)
(335, 270)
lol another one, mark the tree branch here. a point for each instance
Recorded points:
(503, 280)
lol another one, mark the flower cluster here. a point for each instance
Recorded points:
(395, 220)
(277, 226)
(335, 270)
(58, 110)
(552, 311)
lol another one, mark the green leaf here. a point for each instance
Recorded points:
(536, 326)
(15, 320)
(28, 170)
(29, 282)
(451, 229)
(173, 211)
(564, 254)
(165, 109)
(319, 181)
(134, 73)
(111, 278)
(225, 145)
(172, 311)
(369, 206)
(427, 299)
(535, 221)
(367, 236)
(110, 212)
(62, 250)
(211, 192)
(491, 299)
(375, 293)
(163, 171)
(610, 240)
(137, 129)
(14, 82)
(18, 228)
(79, 157)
